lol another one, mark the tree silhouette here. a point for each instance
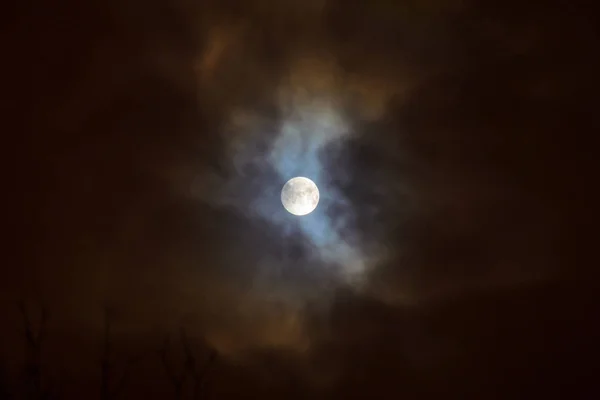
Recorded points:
(111, 383)
(188, 374)
(199, 373)
(5, 393)
(34, 339)
(190, 370)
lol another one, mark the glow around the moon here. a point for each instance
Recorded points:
(300, 196)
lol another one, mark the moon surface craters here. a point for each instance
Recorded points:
(300, 196)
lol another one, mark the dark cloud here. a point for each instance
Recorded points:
(148, 143)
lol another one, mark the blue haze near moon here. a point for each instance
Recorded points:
(300, 149)
(302, 143)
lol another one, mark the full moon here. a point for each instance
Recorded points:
(300, 196)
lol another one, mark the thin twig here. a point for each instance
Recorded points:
(177, 380)
(108, 389)
(34, 339)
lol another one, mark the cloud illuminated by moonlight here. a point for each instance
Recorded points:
(266, 152)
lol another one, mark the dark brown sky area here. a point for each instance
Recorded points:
(452, 252)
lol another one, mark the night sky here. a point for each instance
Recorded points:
(451, 255)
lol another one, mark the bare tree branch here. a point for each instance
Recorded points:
(34, 338)
(111, 384)
(5, 392)
(190, 368)
(190, 359)
(177, 380)
(200, 376)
